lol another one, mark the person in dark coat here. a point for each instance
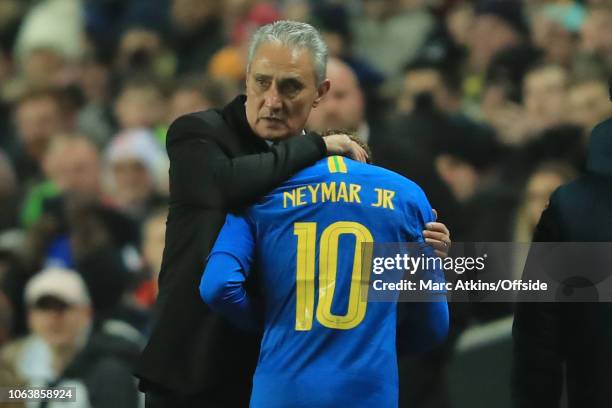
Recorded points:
(549, 336)
(220, 161)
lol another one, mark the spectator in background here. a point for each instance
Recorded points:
(460, 171)
(39, 116)
(107, 20)
(198, 32)
(43, 67)
(544, 105)
(429, 82)
(197, 93)
(71, 166)
(137, 172)
(540, 185)
(333, 20)
(142, 52)
(389, 33)
(459, 20)
(140, 103)
(545, 98)
(52, 25)
(587, 103)
(498, 25)
(555, 30)
(501, 104)
(596, 33)
(48, 44)
(72, 163)
(62, 349)
(344, 106)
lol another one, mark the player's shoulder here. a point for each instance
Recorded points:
(338, 168)
(389, 177)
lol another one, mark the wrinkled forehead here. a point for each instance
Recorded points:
(282, 61)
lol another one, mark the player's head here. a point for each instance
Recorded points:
(344, 105)
(285, 78)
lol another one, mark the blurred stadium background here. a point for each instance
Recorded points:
(486, 104)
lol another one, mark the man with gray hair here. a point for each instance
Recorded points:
(222, 160)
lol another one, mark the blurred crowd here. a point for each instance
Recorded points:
(486, 104)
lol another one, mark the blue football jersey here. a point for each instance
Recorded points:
(324, 344)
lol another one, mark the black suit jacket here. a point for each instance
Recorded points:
(217, 164)
(548, 336)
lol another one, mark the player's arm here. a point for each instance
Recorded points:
(421, 325)
(222, 284)
(202, 174)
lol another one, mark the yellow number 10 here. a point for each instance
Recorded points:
(328, 266)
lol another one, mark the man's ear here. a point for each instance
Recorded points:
(322, 90)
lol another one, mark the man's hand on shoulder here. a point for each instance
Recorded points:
(342, 144)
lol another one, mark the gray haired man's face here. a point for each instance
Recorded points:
(281, 90)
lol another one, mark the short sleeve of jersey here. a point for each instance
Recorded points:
(236, 239)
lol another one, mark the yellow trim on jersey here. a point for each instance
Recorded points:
(336, 164)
